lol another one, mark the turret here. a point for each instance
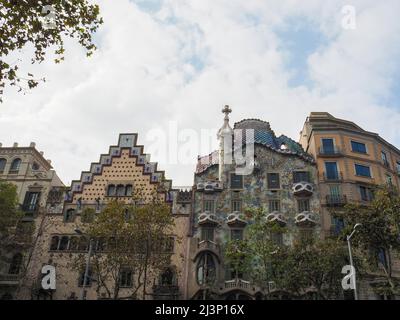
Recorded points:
(225, 138)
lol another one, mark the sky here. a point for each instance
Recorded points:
(165, 68)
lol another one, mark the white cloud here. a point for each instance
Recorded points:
(185, 61)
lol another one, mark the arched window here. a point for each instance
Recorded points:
(111, 190)
(64, 243)
(15, 165)
(69, 215)
(54, 243)
(206, 271)
(128, 190)
(120, 190)
(168, 278)
(2, 164)
(16, 264)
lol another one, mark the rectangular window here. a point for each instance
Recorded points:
(303, 205)
(168, 245)
(338, 225)
(331, 171)
(274, 205)
(366, 193)
(363, 171)
(273, 181)
(237, 205)
(384, 159)
(207, 234)
(209, 205)
(358, 147)
(125, 278)
(301, 176)
(31, 201)
(328, 146)
(236, 181)
(389, 180)
(236, 234)
(398, 166)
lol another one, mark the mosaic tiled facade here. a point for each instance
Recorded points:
(283, 183)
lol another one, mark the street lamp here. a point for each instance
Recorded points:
(86, 275)
(351, 259)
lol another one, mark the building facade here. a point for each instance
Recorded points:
(283, 182)
(116, 175)
(351, 163)
(33, 176)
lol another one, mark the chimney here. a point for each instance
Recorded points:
(32, 145)
(15, 145)
(41, 153)
(1, 144)
(49, 161)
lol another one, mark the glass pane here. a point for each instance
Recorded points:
(331, 170)
(328, 146)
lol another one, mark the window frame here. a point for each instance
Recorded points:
(231, 181)
(361, 175)
(209, 201)
(358, 143)
(272, 186)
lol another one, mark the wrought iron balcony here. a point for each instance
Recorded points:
(336, 200)
(237, 284)
(330, 152)
(9, 279)
(333, 177)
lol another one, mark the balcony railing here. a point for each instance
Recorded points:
(9, 278)
(237, 284)
(335, 151)
(336, 200)
(333, 177)
(207, 245)
(30, 208)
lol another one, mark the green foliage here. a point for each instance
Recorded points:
(23, 23)
(306, 265)
(134, 237)
(9, 212)
(379, 230)
(88, 215)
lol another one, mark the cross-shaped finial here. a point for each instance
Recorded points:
(227, 111)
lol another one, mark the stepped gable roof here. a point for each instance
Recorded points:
(125, 141)
(263, 135)
(184, 196)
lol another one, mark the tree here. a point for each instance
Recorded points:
(378, 237)
(129, 237)
(15, 235)
(44, 25)
(307, 265)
